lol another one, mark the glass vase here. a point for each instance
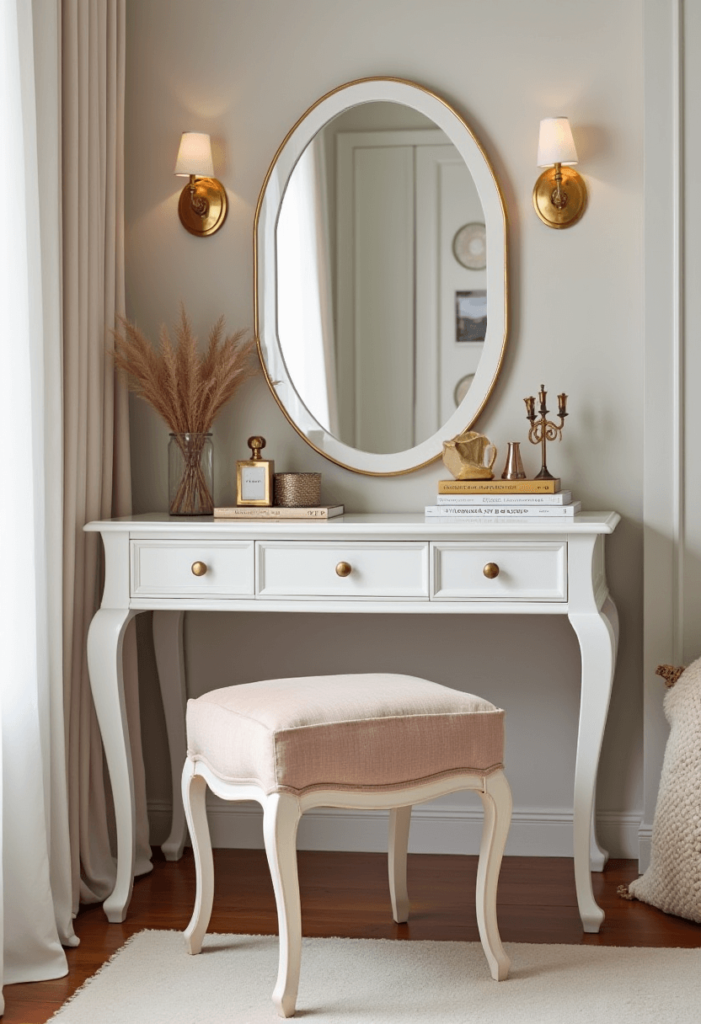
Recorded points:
(190, 475)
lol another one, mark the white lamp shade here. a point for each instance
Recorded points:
(195, 155)
(555, 142)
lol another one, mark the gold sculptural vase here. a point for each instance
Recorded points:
(470, 456)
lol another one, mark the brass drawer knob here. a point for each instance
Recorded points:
(344, 569)
(491, 570)
(199, 568)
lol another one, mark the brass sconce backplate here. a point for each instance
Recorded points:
(210, 195)
(573, 188)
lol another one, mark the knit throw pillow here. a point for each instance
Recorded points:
(673, 881)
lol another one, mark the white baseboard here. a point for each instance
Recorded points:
(434, 829)
(644, 846)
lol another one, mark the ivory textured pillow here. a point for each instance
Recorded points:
(673, 881)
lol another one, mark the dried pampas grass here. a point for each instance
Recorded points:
(187, 388)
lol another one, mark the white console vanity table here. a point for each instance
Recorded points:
(354, 563)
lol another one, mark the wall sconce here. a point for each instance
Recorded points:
(203, 205)
(560, 195)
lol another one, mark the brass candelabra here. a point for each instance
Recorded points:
(542, 429)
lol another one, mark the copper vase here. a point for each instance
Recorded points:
(513, 470)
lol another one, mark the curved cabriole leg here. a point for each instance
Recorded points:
(105, 641)
(281, 814)
(398, 846)
(598, 856)
(194, 790)
(597, 642)
(170, 663)
(496, 800)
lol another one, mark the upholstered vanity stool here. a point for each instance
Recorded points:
(364, 741)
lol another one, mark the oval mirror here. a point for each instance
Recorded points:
(380, 260)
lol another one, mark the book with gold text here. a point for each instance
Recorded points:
(498, 486)
(260, 512)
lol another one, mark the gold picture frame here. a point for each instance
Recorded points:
(266, 467)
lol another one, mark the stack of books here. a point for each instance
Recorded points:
(501, 500)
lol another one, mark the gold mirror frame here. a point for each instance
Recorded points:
(265, 307)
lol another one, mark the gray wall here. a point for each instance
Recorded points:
(244, 72)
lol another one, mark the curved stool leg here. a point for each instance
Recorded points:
(194, 793)
(281, 814)
(399, 822)
(496, 800)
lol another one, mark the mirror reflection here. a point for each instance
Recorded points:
(381, 277)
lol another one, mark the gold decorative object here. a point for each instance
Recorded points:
(199, 568)
(297, 490)
(513, 469)
(203, 204)
(470, 456)
(560, 194)
(543, 430)
(344, 569)
(254, 476)
(491, 570)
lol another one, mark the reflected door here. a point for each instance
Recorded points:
(375, 282)
(401, 198)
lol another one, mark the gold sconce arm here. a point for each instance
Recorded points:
(203, 206)
(560, 196)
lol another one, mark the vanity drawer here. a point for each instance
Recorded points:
(168, 568)
(312, 570)
(525, 571)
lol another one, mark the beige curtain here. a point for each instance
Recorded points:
(96, 426)
(35, 882)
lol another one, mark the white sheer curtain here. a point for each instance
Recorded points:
(305, 310)
(65, 450)
(35, 850)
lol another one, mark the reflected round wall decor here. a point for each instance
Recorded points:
(462, 387)
(470, 246)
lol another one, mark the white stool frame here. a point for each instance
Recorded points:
(281, 814)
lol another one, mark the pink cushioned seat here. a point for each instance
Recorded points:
(369, 732)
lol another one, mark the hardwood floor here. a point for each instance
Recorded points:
(346, 894)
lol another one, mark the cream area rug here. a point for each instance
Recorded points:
(152, 980)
